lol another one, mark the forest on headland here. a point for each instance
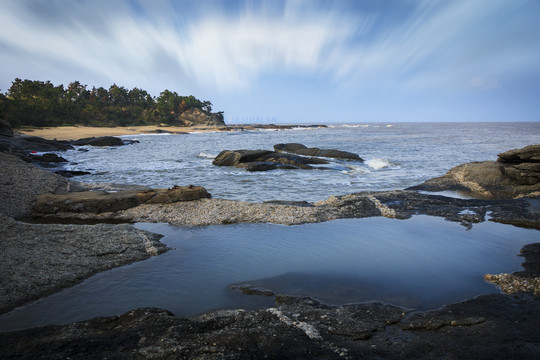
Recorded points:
(30, 103)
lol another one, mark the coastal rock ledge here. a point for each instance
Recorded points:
(515, 174)
(102, 201)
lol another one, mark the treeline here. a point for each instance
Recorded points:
(38, 103)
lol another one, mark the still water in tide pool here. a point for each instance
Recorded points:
(420, 263)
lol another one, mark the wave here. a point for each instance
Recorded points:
(356, 170)
(203, 155)
(378, 163)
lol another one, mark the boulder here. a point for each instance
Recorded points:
(528, 154)
(101, 201)
(263, 160)
(25, 144)
(314, 151)
(49, 158)
(99, 141)
(235, 157)
(515, 174)
(299, 162)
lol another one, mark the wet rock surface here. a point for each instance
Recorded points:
(284, 156)
(39, 259)
(487, 327)
(516, 173)
(314, 151)
(526, 280)
(263, 160)
(400, 204)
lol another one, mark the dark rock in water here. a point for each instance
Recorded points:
(233, 158)
(262, 160)
(515, 174)
(5, 129)
(103, 141)
(27, 144)
(71, 173)
(101, 201)
(259, 166)
(303, 150)
(49, 157)
(487, 327)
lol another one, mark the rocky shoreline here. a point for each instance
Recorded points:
(41, 258)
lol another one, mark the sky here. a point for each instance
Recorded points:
(291, 61)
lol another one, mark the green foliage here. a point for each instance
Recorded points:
(38, 103)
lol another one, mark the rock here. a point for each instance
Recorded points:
(49, 157)
(528, 154)
(233, 158)
(262, 160)
(195, 116)
(524, 281)
(487, 327)
(101, 201)
(71, 173)
(259, 166)
(99, 141)
(25, 144)
(39, 259)
(20, 183)
(5, 129)
(303, 150)
(515, 174)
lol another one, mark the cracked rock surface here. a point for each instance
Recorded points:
(39, 259)
(487, 327)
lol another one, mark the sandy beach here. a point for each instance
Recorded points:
(80, 132)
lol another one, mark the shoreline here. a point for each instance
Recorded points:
(67, 133)
(79, 132)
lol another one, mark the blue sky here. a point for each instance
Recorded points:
(291, 61)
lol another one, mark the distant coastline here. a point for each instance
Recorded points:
(79, 132)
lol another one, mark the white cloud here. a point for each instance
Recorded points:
(440, 44)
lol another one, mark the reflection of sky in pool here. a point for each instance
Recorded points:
(423, 262)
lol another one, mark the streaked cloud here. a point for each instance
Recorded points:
(228, 46)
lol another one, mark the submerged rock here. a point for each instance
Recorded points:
(515, 174)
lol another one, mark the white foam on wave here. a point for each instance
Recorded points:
(204, 155)
(356, 170)
(378, 163)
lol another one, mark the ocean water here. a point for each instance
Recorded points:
(396, 156)
(419, 263)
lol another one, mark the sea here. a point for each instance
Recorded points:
(396, 156)
(419, 263)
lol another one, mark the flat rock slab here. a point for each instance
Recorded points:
(487, 327)
(39, 259)
(101, 201)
